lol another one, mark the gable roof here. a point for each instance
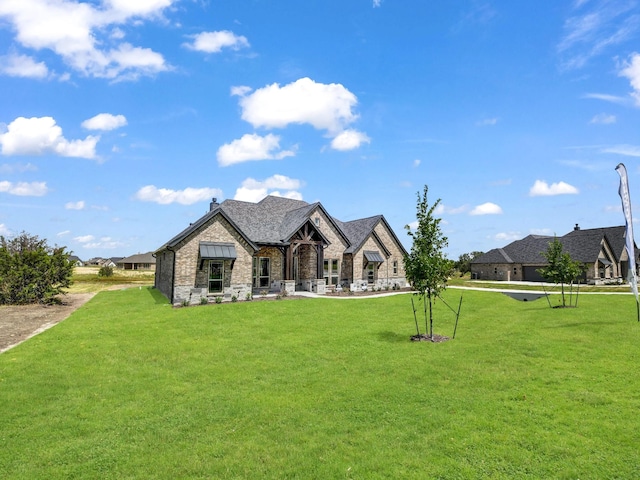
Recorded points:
(274, 220)
(139, 258)
(582, 245)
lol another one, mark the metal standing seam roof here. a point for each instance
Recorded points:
(373, 256)
(217, 250)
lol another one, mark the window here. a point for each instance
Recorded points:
(317, 221)
(395, 267)
(216, 276)
(261, 272)
(331, 271)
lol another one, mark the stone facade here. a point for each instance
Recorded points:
(183, 276)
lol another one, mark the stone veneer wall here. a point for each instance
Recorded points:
(384, 275)
(188, 259)
(497, 272)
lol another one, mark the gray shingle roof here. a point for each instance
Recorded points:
(273, 221)
(581, 245)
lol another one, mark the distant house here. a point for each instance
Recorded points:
(278, 244)
(140, 261)
(601, 250)
(76, 261)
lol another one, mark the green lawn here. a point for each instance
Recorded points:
(129, 387)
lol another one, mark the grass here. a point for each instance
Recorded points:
(129, 387)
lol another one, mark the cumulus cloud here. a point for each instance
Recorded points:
(165, 196)
(80, 33)
(324, 106)
(4, 230)
(22, 66)
(79, 205)
(349, 140)
(542, 188)
(442, 209)
(603, 119)
(486, 209)
(40, 135)
(214, 42)
(103, 243)
(252, 190)
(105, 121)
(631, 71)
(252, 147)
(24, 189)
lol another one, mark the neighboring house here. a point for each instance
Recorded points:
(76, 261)
(140, 261)
(601, 250)
(276, 244)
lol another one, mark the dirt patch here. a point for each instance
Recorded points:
(21, 322)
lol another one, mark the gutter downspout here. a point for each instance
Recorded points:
(173, 272)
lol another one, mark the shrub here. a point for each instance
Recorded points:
(249, 296)
(105, 272)
(218, 299)
(31, 271)
(234, 299)
(204, 300)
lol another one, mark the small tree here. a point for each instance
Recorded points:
(426, 266)
(31, 271)
(463, 265)
(561, 268)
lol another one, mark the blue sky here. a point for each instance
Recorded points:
(121, 119)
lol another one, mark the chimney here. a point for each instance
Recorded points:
(576, 228)
(214, 204)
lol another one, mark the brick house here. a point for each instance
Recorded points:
(240, 248)
(601, 250)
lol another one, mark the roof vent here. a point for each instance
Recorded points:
(576, 228)
(214, 204)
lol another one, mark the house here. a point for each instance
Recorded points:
(277, 244)
(602, 251)
(76, 261)
(140, 261)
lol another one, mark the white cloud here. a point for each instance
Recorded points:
(542, 188)
(486, 209)
(165, 196)
(37, 136)
(24, 189)
(4, 230)
(631, 71)
(349, 140)
(507, 236)
(417, 162)
(22, 66)
(105, 121)
(79, 205)
(252, 190)
(377, 3)
(603, 119)
(324, 106)
(413, 225)
(252, 147)
(214, 42)
(607, 98)
(84, 238)
(81, 34)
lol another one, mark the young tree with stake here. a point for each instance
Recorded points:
(426, 266)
